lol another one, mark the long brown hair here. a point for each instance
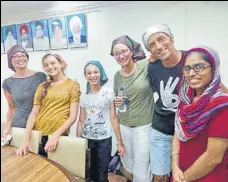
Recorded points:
(49, 78)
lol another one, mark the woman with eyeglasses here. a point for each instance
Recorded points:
(136, 121)
(200, 144)
(19, 89)
(55, 107)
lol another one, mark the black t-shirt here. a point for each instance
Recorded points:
(164, 81)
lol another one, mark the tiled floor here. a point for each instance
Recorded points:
(112, 177)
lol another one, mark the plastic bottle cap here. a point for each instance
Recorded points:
(121, 88)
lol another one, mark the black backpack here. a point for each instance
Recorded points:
(115, 164)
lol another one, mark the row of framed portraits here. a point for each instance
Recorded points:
(39, 35)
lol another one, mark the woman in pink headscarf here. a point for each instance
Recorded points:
(200, 144)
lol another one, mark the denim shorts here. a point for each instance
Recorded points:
(160, 151)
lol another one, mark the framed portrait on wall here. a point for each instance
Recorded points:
(2, 46)
(9, 36)
(76, 29)
(57, 33)
(40, 35)
(24, 36)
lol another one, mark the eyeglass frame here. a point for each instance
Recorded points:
(123, 52)
(17, 56)
(194, 67)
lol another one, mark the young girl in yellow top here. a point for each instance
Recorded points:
(55, 106)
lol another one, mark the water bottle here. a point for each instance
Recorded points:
(122, 107)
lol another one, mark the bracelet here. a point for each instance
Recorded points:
(119, 138)
(174, 153)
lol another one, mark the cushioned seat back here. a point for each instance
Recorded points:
(18, 136)
(71, 154)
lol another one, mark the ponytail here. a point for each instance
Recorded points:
(46, 85)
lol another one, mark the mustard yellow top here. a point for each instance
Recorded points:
(55, 107)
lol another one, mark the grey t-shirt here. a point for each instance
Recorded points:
(23, 90)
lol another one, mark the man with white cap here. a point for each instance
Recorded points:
(164, 76)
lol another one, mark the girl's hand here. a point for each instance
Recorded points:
(152, 59)
(23, 149)
(118, 101)
(51, 144)
(121, 150)
(7, 131)
(178, 175)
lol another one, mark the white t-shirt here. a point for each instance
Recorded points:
(97, 106)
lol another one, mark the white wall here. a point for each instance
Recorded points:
(192, 23)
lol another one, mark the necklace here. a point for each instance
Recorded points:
(124, 74)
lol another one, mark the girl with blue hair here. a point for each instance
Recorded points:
(97, 109)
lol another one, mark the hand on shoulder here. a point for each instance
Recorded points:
(152, 58)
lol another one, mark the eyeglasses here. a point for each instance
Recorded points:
(17, 57)
(196, 67)
(123, 52)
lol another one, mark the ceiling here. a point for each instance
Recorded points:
(18, 6)
(17, 11)
(37, 8)
(15, 7)
(23, 6)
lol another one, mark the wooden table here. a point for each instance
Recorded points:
(31, 168)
